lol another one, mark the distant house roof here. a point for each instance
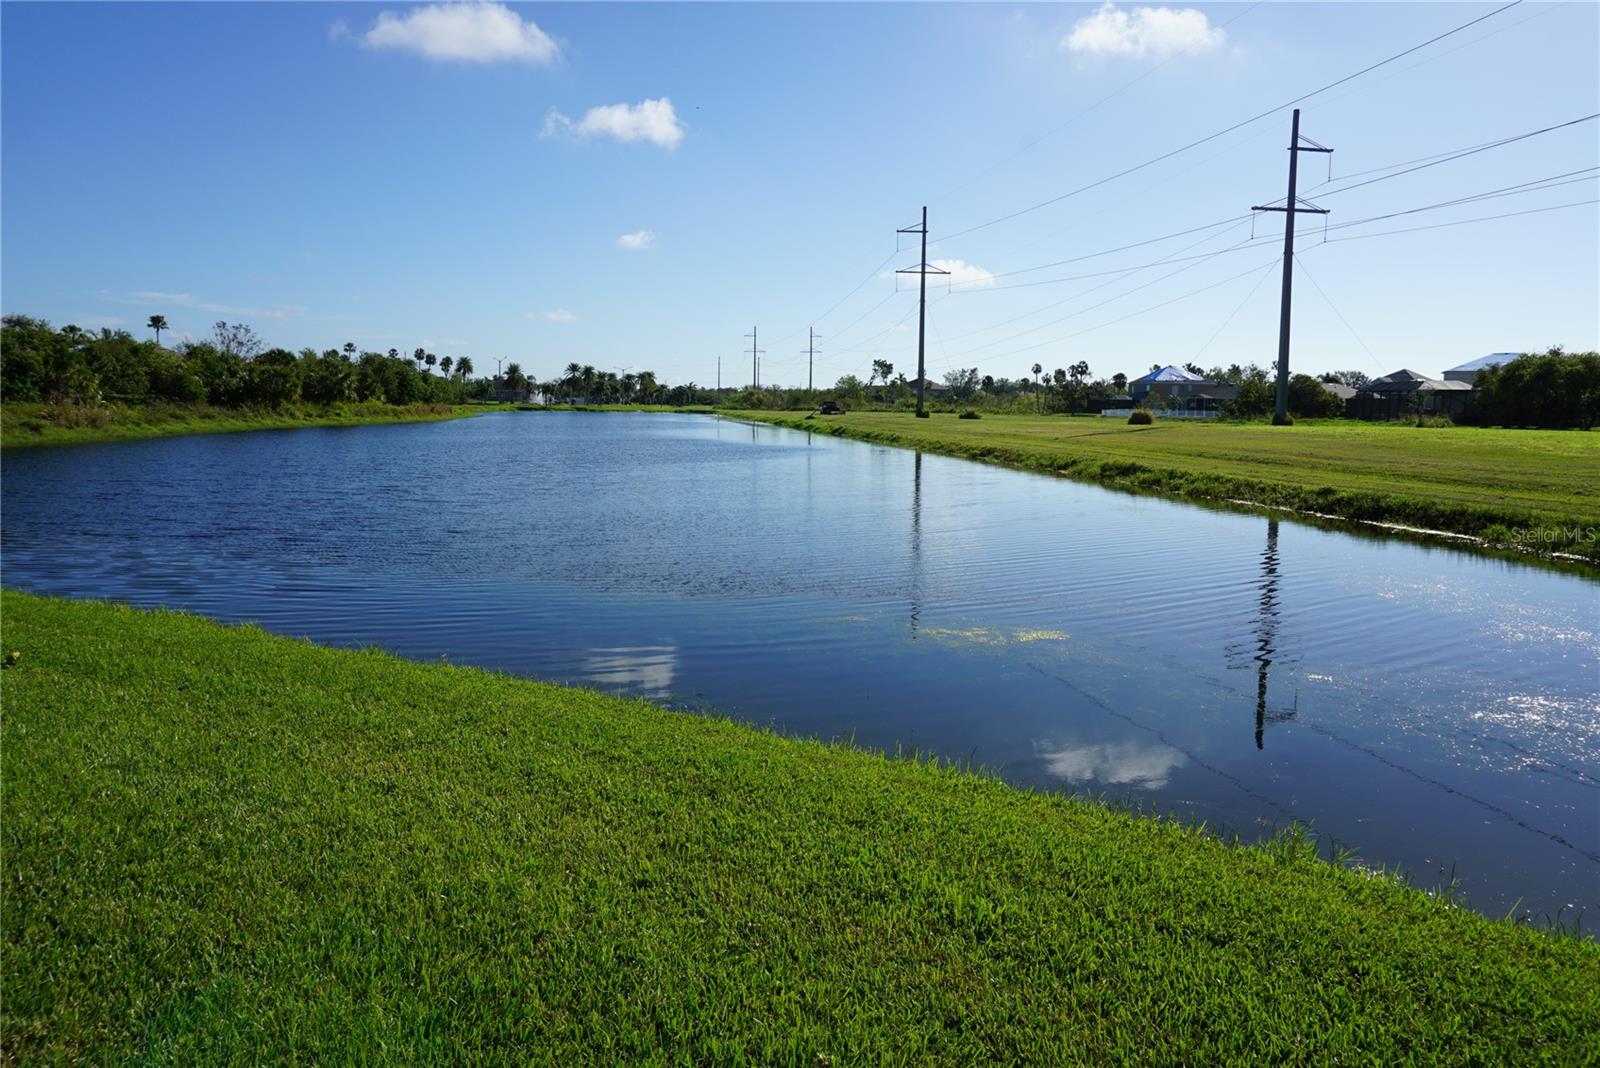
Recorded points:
(1339, 389)
(1168, 374)
(1408, 381)
(1494, 359)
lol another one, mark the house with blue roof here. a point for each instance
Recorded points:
(1193, 393)
(1469, 370)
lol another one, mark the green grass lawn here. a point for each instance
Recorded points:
(1483, 482)
(222, 846)
(24, 424)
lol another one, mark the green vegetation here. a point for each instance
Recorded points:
(223, 846)
(1531, 490)
(232, 369)
(1555, 389)
(24, 423)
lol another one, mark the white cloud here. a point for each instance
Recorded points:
(471, 32)
(1143, 31)
(555, 315)
(638, 241)
(963, 273)
(189, 300)
(649, 120)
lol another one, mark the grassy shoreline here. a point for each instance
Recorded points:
(224, 845)
(25, 424)
(1526, 491)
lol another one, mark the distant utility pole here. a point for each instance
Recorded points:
(811, 356)
(719, 372)
(1292, 206)
(755, 367)
(922, 270)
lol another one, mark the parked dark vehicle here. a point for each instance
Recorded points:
(831, 408)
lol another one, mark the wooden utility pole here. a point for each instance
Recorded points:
(922, 270)
(1291, 207)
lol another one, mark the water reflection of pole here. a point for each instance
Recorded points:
(916, 542)
(1267, 633)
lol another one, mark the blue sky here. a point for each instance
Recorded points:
(467, 178)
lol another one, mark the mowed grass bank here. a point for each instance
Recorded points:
(24, 424)
(226, 846)
(1537, 490)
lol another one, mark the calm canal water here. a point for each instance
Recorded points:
(1429, 708)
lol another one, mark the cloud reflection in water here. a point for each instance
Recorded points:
(647, 670)
(1115, 764)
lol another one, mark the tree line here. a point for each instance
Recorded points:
(232, 368)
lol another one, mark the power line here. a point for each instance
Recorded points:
(1463, 222)
(1090, 308)
(1531, 187)
(1133, 315)
(1031, 145)
(1434, 161)
(1340, 314)
(1235, 126)
(1119, 248)
(1172, 258)
(1537, 185)
(1231, 315)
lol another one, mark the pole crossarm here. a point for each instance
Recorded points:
(1301, 205)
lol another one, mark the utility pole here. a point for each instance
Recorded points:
(921, 269)
(719, 372)
(1292, 206)
(811, 357)
(755, 368)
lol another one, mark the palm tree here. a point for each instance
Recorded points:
(588, 377)
(157, 323)
(350, 350)
(647, 385)
(416, 357)
(431, 360)
(464, 367)
(444, 366)
(394, 354)
(1036, 369)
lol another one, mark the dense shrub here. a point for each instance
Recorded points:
(1555, 390)
(1141, 417)
(969, 414)
(1309, 400)
(71, 366)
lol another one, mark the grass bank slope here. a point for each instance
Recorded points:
(47, 424)
(1537, 490)
(226, 846)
